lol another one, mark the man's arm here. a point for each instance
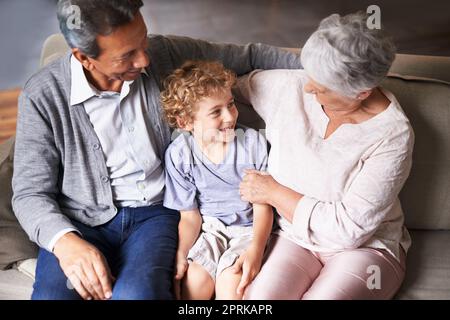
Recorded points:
(35, 177)
(35, 190)
(239, 58)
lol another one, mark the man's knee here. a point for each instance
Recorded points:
(54, 288)
(154, 285)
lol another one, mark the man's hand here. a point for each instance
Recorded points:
(181, 265)
(85, 267)
(250, 264)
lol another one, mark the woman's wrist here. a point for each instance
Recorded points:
(274, 193)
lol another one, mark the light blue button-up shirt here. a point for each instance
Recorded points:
(127, 140)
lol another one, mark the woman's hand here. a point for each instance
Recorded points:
(257, 187)
(250, 264)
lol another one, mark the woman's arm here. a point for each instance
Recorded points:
(350, 221)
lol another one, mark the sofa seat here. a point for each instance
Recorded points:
(427, 266)
(15, 285)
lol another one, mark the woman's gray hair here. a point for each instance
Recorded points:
(96, 17)
(344, 55)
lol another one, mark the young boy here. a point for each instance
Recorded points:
(221, 238)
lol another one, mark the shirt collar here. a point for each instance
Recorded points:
(81, 90)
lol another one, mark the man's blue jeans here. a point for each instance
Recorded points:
(140, 246)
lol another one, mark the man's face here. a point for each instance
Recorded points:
(123, 52)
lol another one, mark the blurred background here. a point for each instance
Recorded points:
(418, 26)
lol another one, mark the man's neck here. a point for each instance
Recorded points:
(102, 83)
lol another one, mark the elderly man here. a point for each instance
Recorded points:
(89, 177)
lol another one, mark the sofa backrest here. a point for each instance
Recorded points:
(425, 197)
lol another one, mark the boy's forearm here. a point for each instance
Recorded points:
(262, 225)
(188, 230)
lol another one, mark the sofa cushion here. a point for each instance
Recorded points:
(14, 243)
(427, 266)
(14, 285)
(425, 196)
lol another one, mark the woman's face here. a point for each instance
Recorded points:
(328, 98)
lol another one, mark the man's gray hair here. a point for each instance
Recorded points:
(344, 55)
(96, 17)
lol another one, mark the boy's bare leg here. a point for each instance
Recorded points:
(197, 283)
(226, 285)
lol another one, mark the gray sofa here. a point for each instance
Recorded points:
(421, 84)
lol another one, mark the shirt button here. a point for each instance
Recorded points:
(96, 146)
(105, 179)
(141, 186)
(131, 129)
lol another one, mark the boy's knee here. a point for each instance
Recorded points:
(198, 274)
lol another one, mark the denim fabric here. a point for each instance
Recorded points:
(139, 245)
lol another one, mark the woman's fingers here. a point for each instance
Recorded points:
(252, 171)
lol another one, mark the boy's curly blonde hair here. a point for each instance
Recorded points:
(189, 84)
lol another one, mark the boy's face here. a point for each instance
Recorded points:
(215, 118)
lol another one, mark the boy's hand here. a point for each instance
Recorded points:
(181, 265)
(250, 264)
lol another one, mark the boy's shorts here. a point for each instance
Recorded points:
(218, 246)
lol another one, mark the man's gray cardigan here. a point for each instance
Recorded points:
(59, 169)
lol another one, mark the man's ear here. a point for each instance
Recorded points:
(184, 124)
(84, 59)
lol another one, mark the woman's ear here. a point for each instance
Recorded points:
(363, 95)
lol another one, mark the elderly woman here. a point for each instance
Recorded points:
(341, 150)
